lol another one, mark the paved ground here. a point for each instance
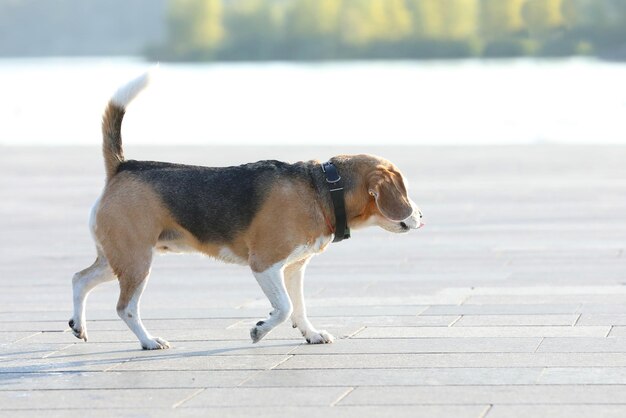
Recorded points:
(510, 303)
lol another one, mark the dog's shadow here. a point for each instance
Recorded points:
(55, 366)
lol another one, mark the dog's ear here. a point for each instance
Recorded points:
(390, 194)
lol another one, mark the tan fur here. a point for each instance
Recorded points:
(379, 191)
(129, 219)
(279, 228)
(112, 138)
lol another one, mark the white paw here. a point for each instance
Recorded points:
(258, 332)
(155, 343)
(319, 337)
(78, 329)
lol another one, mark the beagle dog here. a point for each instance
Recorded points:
(269, 215)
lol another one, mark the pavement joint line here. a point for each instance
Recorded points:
(229, 407)
(243, 305)
(26, 337)
(256, 373)
(191, 396)
(486, 411)
(610, 331)
(57, 351)
(231, 326)
(294, 349)
(543, 369)
(281, 361)
(464, 300)
(424, 308)
(116, 365)
(356, 332)
(455, 321)
(539, 345)
(319, 292)
(342, 396)
(577, 319)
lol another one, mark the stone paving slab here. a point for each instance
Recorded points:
(484, 332)
(583, 345)
(49, 399)
(411, 361)
(618, 331)
(396, 377)
(127, 361)
(434, 411)
(585, 376)
(264, 397)
(502, 309)
(425, 345)
(510, 302)
(546, 299)
(604, 410)
(480, 395)
(520, 320)
(602, 319)
(125, 380)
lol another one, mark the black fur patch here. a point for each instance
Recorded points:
(214, 203)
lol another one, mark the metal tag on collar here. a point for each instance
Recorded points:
(332, 176)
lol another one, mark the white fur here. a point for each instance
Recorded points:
(414, 220)
(295, 287)
(92, 218)
(228, 256)
(127, 93)
(83, 283)
(302, 252)
(289, 301)
(131, 316)
(273, 285)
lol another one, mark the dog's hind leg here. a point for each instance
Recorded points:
(294, 279)
(272, 283)
(133, 281)
(83, 282)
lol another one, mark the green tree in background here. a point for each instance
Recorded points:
(445, 19)
(543, 16)
(195, 27)
(366, 29)
(365, 21)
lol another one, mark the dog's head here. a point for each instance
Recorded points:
(379, 196)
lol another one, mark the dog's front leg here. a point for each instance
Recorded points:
(273, 284)
(294, 278)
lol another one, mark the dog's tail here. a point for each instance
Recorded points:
(112, 122)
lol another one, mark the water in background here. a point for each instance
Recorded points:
(60, 102)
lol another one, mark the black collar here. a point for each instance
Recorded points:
(335, 183)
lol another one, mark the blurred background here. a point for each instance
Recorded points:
(317, 72)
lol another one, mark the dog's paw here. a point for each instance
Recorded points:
(78, 330)
(257, 332)
(155, 343)
(319, 337)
